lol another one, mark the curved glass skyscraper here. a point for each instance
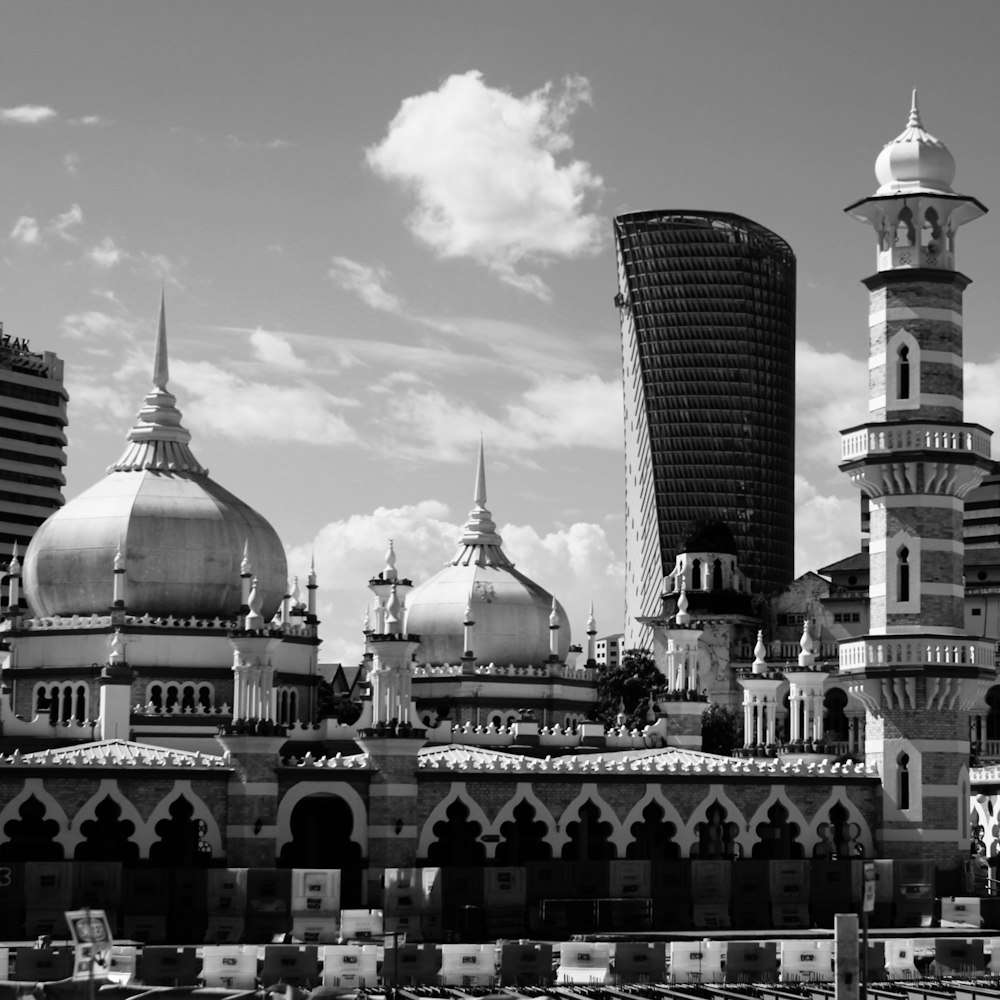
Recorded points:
(707, 308)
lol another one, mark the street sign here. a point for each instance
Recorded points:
(92, 942)
(870, 882)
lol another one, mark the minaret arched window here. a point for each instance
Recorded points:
(903, 781)
(696, 575)
(930, 231)
(903, 574)
(717, 575)
(905, 233)
(903, 373)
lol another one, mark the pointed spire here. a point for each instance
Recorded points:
(480, 543)
(554, 615)
(15, 563)
(161, 369)
(157, 440)
(591, 621)
(480, 498)
(245, 562)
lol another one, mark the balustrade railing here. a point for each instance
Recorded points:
(886, 438)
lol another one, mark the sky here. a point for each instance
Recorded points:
(383, 231)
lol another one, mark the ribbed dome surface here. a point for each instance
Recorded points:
(182, 539)
(511, 613)
(915, 161)
(181, 536)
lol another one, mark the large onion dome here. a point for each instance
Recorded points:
(181, 536)
(510, 612)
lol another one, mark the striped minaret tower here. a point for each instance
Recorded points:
(917, 673)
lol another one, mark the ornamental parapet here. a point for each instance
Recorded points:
(884, 652)
(597, 764)
(884, 439)
(55, 623)
(546, 670)
(355, 762)
(101, 756)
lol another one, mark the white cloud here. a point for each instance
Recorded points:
(27, 114)
(71, 161)
(106, 254)
(276, 350)
(827, 527)
(64, 224)
(982, 404)
(554, 412)
(483, 166)
(26, 231)
(365, 281)
(89, 120)
(96, 326)
(263, 412)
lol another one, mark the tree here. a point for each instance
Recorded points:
(720, 730)
(336, 706)
(627, 688)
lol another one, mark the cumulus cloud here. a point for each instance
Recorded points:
(367, 282)
(26, 231)
(276, 350)
(27, 114)
(106, 254)
(485, 169)
(827, 526)
(257, 411)
(575, 563)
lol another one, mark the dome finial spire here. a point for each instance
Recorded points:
(914, 121)
(480, 498)
(161, 370)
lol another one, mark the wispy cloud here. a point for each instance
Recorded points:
(482, 164)
(367, 282)
(64, 225)
(276, 350)
(97, 327)
(27, 114)
(89, 120)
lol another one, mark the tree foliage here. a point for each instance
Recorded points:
(336, 706)
(627, 688)
(721, 731)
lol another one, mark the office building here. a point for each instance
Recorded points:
(33, 452)
(707, 310)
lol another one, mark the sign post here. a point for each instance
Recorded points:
(867, 906)
(92, 942)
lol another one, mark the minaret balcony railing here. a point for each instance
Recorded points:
(883, 439)
(891, 652)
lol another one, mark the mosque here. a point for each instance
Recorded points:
(160, 735)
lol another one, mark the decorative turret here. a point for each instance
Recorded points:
(917, 673)
(591, 638)
(13, 608)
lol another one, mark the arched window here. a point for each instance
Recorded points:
(905, 232)
(903, 781)
(696, 575)
(903, 373)
(717, 575)
(903, 574)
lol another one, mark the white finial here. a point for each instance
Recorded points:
(245, 567)
(682, 617)
(591, 623)
(296, 593)
(393, 611)
(914, 121)
(367, 626)
(554, 615)
(116, 649)
(254, 619)
(390, 573)
(312, 572)
(15, 563)
(119, 558)
(469, 620)
(759, 652)
(806, 646)
(161, 373)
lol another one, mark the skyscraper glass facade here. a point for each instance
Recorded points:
(707, 308)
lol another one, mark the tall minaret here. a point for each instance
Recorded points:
(917, 673)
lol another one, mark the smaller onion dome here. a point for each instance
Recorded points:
(710, 536)
(915, 161)
(511, 612)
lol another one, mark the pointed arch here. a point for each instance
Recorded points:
(811, 835)
(108, 788)
(457, 793)
(524, 792)
(716, 794)
(302, 790)
(903, 573)
(654, 795)
(902, 371)
(182, 787)
(53, 810)
(778, 796)
(589, 791)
